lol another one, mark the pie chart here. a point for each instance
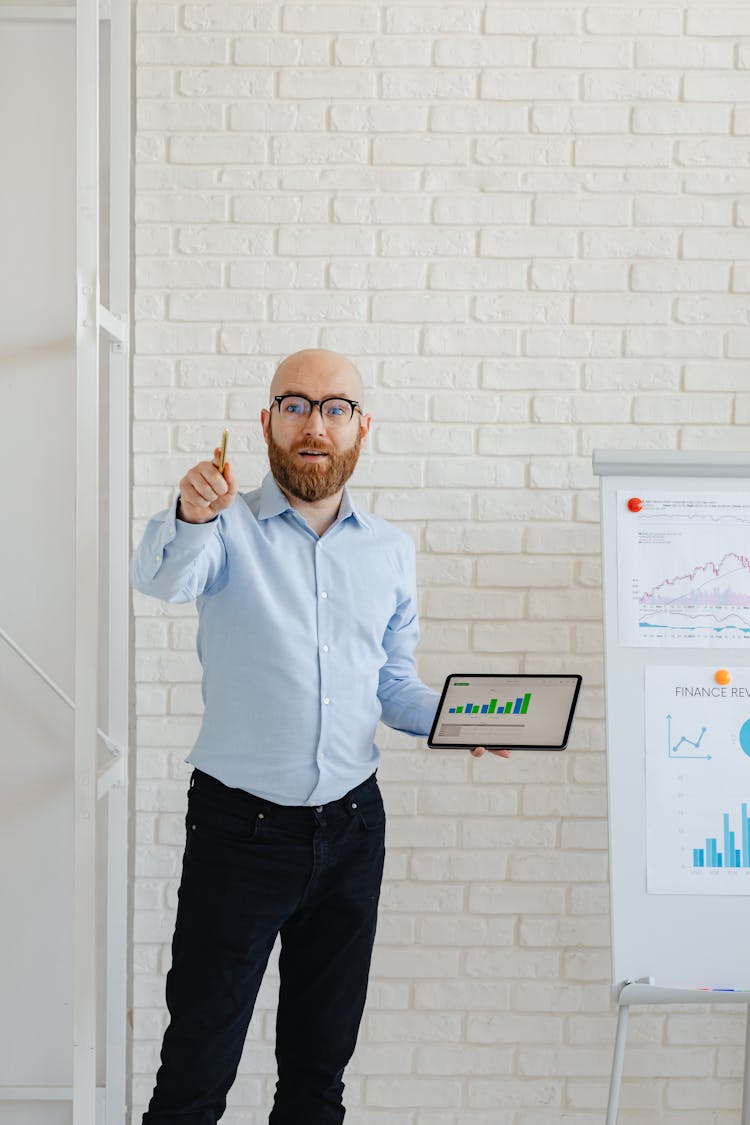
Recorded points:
(745, 737)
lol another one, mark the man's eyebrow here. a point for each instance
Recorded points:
(332, 394)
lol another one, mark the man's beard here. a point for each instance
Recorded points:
(315, 481)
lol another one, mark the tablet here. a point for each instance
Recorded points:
(511, 712)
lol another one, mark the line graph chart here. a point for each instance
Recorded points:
(685, 571)
(674, 749)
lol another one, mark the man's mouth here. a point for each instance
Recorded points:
(312, 454)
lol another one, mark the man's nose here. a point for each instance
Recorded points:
(314, 423)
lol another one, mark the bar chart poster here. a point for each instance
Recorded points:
(684, 569)
(697, 781)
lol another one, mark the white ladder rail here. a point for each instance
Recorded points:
(113, 747)
(86, 658)
(115, 781)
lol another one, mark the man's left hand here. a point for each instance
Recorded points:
(479, 750)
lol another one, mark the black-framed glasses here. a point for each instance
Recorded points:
(334, 411)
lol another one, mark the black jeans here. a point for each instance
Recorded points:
(252, 869)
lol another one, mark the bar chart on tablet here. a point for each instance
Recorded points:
(513, 710)
(518, 707)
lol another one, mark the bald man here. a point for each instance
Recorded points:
(307, 627)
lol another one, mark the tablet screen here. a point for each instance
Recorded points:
(506, 711)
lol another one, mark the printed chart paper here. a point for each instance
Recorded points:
(684, 569)
(697, 781)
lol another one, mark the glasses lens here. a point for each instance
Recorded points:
(336, 411)
(293, 408)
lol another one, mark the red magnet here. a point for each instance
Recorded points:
(634, 504)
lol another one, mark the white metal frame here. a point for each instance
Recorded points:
(103, 1106)
(643, 992)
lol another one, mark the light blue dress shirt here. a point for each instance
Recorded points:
(305, 641)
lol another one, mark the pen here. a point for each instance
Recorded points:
(224, 437)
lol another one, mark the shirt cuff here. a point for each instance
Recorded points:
(183, 535)
(182, 528)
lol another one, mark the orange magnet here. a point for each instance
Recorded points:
(723, 676)
(635, 504)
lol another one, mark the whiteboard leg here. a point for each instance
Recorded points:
(746, 1083)
(615, 1077)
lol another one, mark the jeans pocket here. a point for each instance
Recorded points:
(371, 816)
(207, 822)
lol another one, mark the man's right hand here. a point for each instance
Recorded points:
(204, 491)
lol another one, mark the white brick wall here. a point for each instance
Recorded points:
(527, 224)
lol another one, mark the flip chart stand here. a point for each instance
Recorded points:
(643, 923)
(643, 992)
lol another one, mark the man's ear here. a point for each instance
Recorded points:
(265, 421)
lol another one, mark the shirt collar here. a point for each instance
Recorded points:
(273, 502)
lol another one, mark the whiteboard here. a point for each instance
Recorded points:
(680, 940)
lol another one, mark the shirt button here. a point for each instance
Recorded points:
(325, 648)
(326, 700)
(324, 594)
